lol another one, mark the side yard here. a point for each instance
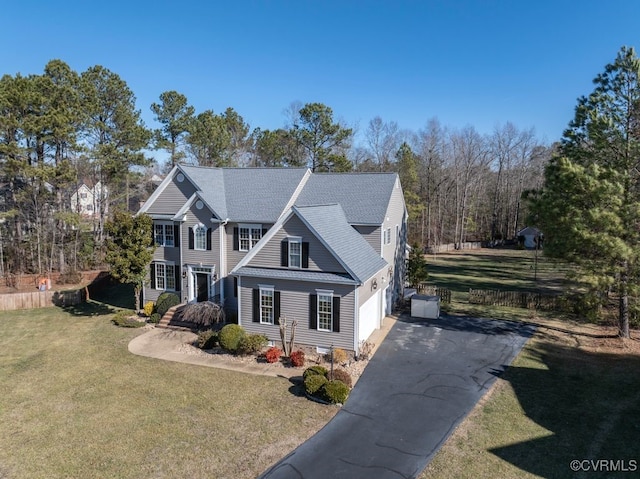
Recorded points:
(573, 393)
(75, 403)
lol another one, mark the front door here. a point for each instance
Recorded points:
(202, 285)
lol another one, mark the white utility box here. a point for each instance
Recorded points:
(423, 306)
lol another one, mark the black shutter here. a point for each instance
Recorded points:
(153, 276)
(208, 239)
(276, 307)
(191, 238)
(256, 305)
(284, 254)
(153, 234)
(264, 231)
(176, 235)
(236, 239)
(305, 255)
(235, 286)
(178, 277)
(336, 314)
(313, 311)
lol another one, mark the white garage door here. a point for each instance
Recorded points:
(369, 316)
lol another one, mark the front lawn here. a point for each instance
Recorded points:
(75, 403)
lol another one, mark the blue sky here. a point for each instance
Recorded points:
(479, 63)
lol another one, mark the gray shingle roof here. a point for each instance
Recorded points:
(330, 224)
(246, 194)
(294, 275)
(363, 196)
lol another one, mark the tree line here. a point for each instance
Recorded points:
(61, 128)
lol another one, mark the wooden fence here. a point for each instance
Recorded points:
(443, 248)
(41, 299)
(516, 299)
(443, 293)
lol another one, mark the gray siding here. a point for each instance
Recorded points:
(372, 234)
(172, 198)
(366, 290)
(193, 256)
(320, 259)
(234, 257)
(294, 304)
(394, 252)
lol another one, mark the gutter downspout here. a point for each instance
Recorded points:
(356, 332)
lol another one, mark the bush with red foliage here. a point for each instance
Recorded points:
(273, 354)
(297, 358)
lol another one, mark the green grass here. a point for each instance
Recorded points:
(553, 405)
(507, 269)
(75, 403)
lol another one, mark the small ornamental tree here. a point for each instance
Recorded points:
(417, 266)
(130, 249)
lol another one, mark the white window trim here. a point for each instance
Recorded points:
(271, 289)
(166, 264)
(296, 240)
(195, 229)
(252, 241)
(319, 293)
(164, 225)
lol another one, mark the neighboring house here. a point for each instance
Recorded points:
(529, 236)
(86, 199)
(327, 250)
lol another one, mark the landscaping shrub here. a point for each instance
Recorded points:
(155, 318)
(205, 313)
(166, 301)
(341, 375)
(252, 343)
(148, 308)
(230, 336)
(207, 339)
(314, 370)
(297, 358)
(123, 319)
(336, 392)
(273, 354)
(339, 356)
(313, 383)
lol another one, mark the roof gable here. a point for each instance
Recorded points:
(329, 225)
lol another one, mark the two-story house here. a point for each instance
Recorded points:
(326, 250)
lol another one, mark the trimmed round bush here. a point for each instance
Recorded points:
(314, 383)
(155, 318)
(336, 392)
(342, 375)
(230, 336)
(314, 370)
(166, 301)
(207, 339)
(252, 343)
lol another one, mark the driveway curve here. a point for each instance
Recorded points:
(424, 379)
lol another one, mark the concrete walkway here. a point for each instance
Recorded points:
(423, 381)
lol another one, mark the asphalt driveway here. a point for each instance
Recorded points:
(424, 379)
